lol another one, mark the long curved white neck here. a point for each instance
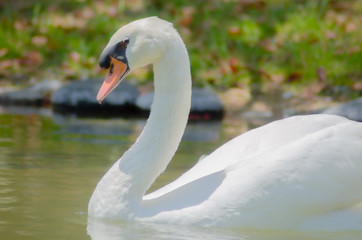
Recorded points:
(154, 148)
(121, 190)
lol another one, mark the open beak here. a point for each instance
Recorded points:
(117, 71)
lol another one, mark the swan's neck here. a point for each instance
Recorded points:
(121, 190)
(154, 148)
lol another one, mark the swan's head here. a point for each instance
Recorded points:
(135, 45)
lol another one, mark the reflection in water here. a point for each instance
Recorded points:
(21, 110)
(94, 126)
(99, 230)
(195, 131)
(6, 198)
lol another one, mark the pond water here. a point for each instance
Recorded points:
(50, 164)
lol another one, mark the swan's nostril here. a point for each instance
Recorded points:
(111, 70)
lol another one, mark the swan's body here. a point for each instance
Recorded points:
(299, 173)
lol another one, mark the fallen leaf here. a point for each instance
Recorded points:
(234, 64)
(321, 74)
(258, 4)
(234, 30)
(330, 35)
(277, 78)
(69, 21)
(260, 107)
(20, 25)
(31, 58)
(6, 64)
(354, 49)
(357, 86)
(112, 11)
(268, 45)
(3, 51)
(85, 13)
(350, 27)
(235, 98)
(74, 56)
(294, 76)
(187, 15)
(340, 19)
(313, 89)
(39, 40)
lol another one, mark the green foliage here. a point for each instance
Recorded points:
(258, 44)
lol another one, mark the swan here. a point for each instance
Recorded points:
(301, 173)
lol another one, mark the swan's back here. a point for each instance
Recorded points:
(298, 167)
(277, 134)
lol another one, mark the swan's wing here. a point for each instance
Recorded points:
(311, 183)
(314, 182)
(248, 147)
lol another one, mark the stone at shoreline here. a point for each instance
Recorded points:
(36, 95)
(80, 96)
(205, 104)
(351, 110)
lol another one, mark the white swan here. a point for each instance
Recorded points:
(300, 173)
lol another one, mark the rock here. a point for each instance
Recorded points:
(36, 95)
(204, 99)
(205, 104)
(144, 101)
(80, 97)
(351, 110)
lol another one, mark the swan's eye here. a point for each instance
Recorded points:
(122, 44)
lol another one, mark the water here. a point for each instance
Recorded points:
(50, 164)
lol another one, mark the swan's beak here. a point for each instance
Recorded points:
(117, 71)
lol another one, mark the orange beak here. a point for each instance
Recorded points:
(116, 73)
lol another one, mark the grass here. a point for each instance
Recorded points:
(309, 47)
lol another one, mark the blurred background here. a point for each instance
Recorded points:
(307, 47)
